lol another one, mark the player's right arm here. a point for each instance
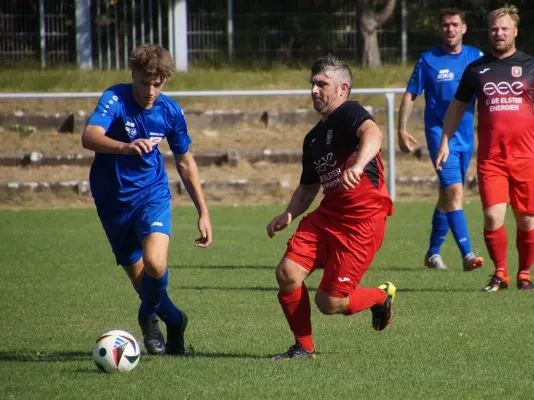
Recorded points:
(406, 141)
(415, 88)
(94, 138)
(94, 134)
(301, 200)
(453, 117)
(455, 112)
(304, 194)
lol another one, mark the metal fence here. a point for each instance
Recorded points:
(43, 32)
(37, 32)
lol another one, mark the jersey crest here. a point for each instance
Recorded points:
(130, 129)
(329, 136)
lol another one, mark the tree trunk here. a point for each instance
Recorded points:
(369, 22)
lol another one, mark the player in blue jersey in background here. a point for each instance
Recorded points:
(131, 190)
(438, 73)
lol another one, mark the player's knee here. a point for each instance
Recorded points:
(155, 266)
(453, 197)
(286, 275)
(525, 222)
(493, 220)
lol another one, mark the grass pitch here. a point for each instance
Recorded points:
(61, 290)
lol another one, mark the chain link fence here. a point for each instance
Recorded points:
(43, 32)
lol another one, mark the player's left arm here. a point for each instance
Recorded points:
(188, 170)
(371, 138)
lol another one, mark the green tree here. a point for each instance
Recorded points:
(369, 20)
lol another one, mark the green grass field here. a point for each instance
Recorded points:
(61, 290)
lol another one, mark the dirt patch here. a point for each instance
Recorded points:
(241, 137)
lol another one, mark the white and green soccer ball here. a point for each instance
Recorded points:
(116, 351)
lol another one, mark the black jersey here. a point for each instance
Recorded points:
(504, 89)
(329, 148)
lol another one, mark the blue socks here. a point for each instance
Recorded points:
(152, 292)
(155, 300)
(440, 227)
(168, 312)
(458, 225)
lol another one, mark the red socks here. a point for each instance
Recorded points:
(525, 249)
(363, 298)
(497, 244)
(296, 307)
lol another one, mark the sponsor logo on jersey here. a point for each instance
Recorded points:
(445, 75)
(324, 162)
(517, 72)
(156, 137)
(483, 71)
(329, 136)
(129, 127)
(503, 88)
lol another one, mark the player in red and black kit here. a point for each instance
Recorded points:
(503, 84)
(341, 154)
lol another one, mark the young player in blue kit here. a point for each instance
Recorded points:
(131, 190)
(438, 73)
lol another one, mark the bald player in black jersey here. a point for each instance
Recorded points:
(341, 154)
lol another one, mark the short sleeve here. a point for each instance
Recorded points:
(417, 80)
(358, 115)
(179, 140)
(309, 175)
(106, 110)
(466, 89)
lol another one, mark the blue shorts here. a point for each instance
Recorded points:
(454, 169)
(126, 229)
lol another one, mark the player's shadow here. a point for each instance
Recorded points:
(226, 289)
(36, 356)
(398, 269)
(225, 355)
(232, 267)
(436, 290)
(237, 289)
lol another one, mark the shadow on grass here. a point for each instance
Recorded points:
(398, 269)
(438, 290)
(239, 289)
(225, 355)
(225, 288)
(35, 356)
(251, 267)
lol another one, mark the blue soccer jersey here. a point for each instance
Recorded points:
(438, 74)
(124, 181)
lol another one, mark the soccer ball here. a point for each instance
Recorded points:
(116, 351)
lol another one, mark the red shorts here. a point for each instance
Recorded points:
(501, 181)
(344, 250)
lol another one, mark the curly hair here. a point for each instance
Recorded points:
(152, 59)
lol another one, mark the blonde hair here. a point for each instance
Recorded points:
(152, 59)
(510, 10)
